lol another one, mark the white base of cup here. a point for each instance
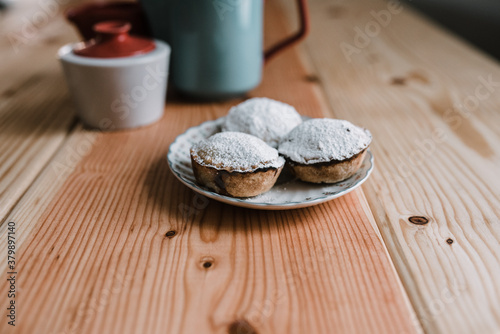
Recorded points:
(118, 93)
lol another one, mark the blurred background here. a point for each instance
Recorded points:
(477, 21)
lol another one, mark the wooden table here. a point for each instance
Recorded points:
(108, 241)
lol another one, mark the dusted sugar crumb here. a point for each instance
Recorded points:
(264, 118)
(236, 151)
(323, 140)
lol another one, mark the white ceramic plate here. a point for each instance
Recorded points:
(287, 194)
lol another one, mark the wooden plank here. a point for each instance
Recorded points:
(436, 130)
(96, 257)
(35, 111)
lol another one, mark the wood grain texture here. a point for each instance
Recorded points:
(436, 126)
(35, 111)
(118, 245)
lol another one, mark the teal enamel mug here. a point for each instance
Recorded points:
(217, 45)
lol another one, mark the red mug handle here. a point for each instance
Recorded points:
(295, 38)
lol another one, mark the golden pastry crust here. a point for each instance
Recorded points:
(236, 184)
(328, 172)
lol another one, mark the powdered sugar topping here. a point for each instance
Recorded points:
(323, 140)
(236, 151)
(264, 118)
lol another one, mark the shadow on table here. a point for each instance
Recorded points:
(184, 206)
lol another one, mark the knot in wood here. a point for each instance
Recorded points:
(170, 234)
(241, 326)
(418, 220)
(207, 262)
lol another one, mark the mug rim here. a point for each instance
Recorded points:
(66, 54)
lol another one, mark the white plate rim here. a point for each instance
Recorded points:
(260, 205)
